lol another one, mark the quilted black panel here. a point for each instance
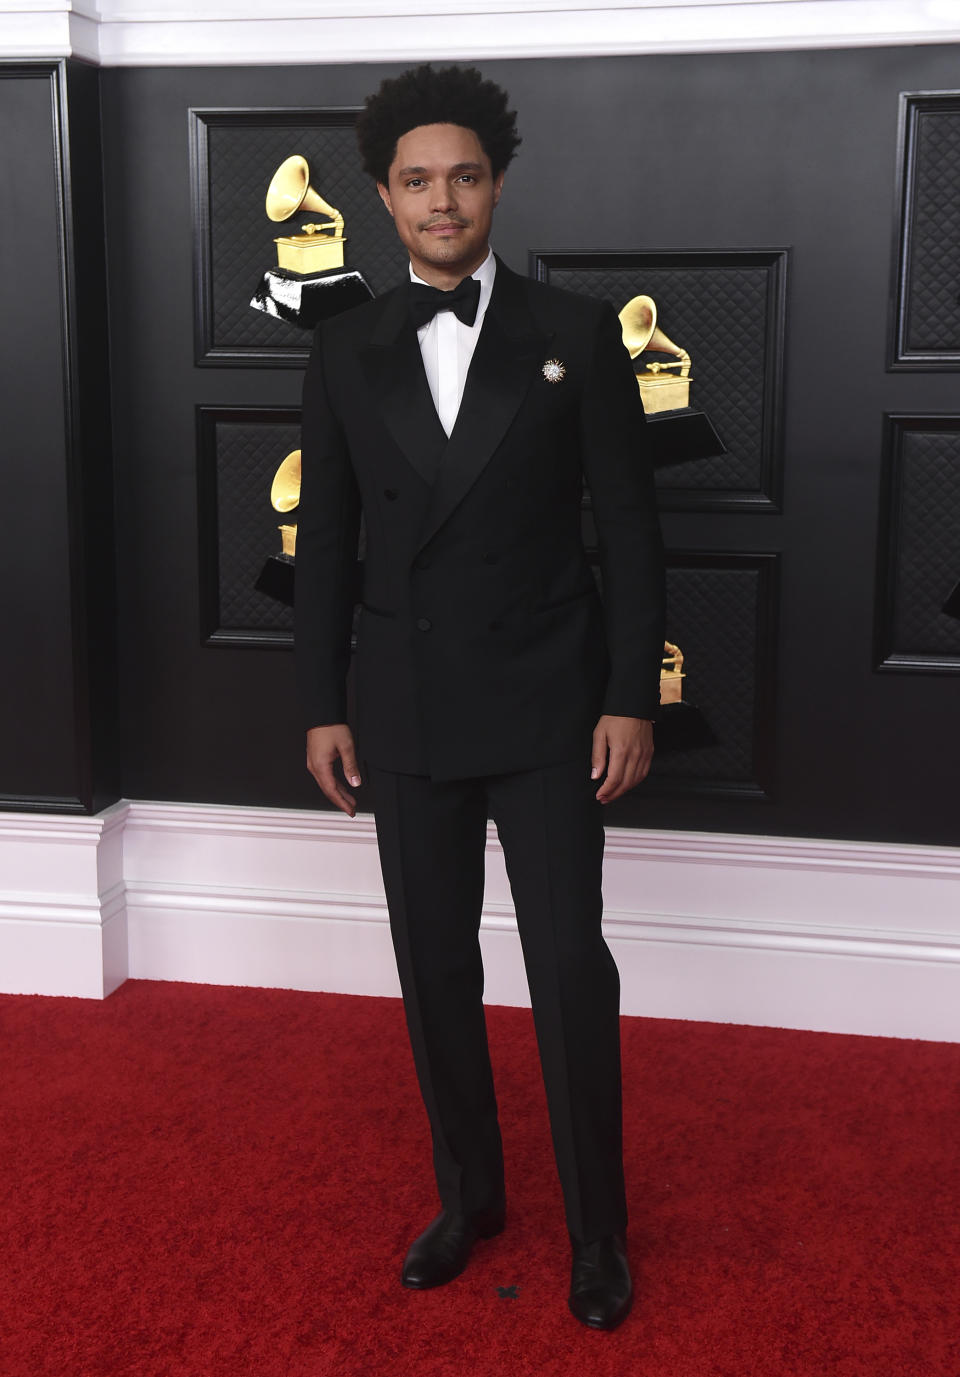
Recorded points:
(721, 313)
(242, 156)
(713, 618)
(925, 553)
(247, 455)
(932, 223)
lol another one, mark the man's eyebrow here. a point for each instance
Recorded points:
(424, 171)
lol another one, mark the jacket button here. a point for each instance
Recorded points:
(422, 562)
(512, 485)
(391, 494)
(424, 624)
(491, 557)
(496, 626)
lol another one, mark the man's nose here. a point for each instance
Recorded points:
(444, 199)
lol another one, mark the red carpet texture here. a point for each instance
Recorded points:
(210, 1182)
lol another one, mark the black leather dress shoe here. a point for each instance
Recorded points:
(443, 1249)
(600, 1285)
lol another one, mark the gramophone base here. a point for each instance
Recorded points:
(681, 435)
(306, 300)
(682, 727)
(276, 578)
(952, 605)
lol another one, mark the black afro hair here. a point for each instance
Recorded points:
(449, 95)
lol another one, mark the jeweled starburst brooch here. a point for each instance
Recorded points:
(554, 371)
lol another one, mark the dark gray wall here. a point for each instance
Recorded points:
(719, 152)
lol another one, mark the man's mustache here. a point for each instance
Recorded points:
(445, 220)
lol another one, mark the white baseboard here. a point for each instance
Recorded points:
(63, 922)
(835, 936)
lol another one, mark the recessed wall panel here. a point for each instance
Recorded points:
(239, 451)
(927, 311)
(722, 614)
(235, 154)
(38, 747)
(726, 309)
(919, 562)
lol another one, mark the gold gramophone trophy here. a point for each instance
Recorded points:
(310, 282)
(276, 576)
(671, 674)
(660, 388)
(680, 726)
(680, 432)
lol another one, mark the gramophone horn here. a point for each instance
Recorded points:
(290, 191)
(285, 489)
(638, 321)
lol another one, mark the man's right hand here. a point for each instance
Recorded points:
(325, 746)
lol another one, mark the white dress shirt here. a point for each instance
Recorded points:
(447, 346)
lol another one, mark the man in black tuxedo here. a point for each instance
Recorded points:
(461, 413)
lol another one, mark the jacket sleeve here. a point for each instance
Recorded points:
(328, 525)
(619, 474)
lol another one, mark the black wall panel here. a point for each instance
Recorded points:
(926, 330)
(723, 609)
(919, 557)
(727, 311)
(235, 153)
(713, 154)
(239, 451)
(57, 616)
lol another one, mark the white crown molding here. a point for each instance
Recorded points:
(126, 11)
(50, 29)
(238, 32)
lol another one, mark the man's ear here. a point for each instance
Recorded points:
(385, 196)
(497, 187)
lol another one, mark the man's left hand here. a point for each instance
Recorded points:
(623, 747)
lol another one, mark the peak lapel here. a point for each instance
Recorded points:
(503, 366)
(393, 366)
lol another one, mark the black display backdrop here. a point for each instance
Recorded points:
(794, 569)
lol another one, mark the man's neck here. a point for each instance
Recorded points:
(446, 278)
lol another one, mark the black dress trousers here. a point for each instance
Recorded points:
(432, 837)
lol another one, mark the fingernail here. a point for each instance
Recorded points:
(354, 779)
(594, 773)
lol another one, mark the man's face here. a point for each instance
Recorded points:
(441, 193)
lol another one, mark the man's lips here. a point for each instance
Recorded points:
(447, 227)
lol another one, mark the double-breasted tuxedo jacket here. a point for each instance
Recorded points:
(483, 644)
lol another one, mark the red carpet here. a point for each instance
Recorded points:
(207, 1182)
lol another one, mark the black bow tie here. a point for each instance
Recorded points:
(463, 301)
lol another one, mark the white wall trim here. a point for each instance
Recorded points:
(63, 915)
(237, 32)
(830, 935)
